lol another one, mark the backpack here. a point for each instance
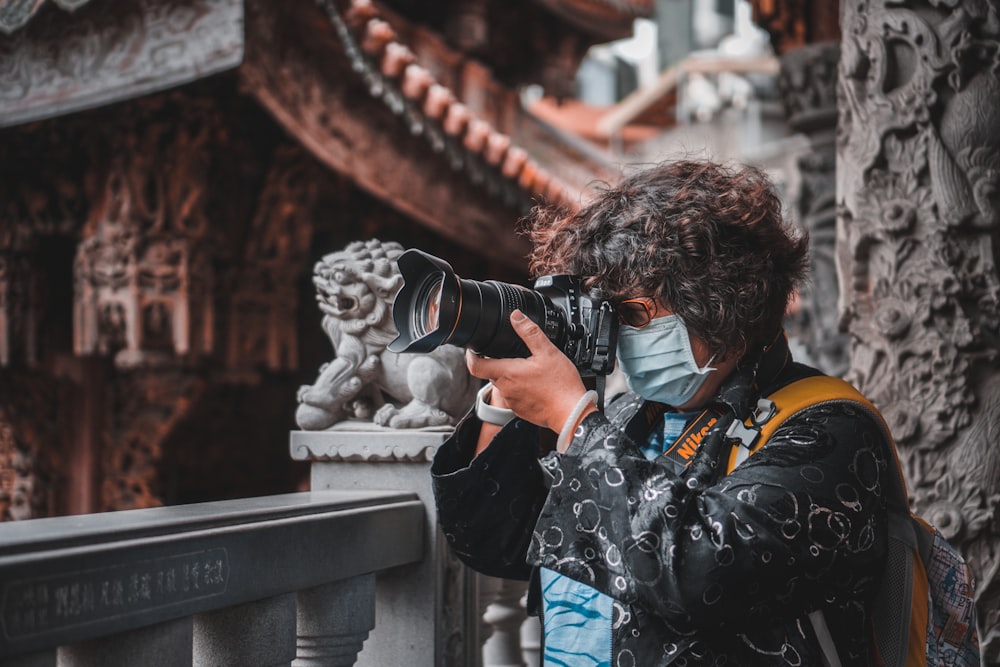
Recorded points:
(924, 613)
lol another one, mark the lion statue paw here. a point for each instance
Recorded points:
(415, 414)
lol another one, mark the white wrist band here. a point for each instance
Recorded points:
(567, 430)
(491, 414)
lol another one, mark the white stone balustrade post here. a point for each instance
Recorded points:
(255, 634)
(503, 616)
(334, 621)
(531, 637)
(163, 645)
(422, 612)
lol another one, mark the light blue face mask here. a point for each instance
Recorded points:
(658, 362)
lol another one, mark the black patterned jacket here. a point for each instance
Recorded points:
(704, 568)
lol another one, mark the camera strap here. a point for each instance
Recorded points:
(600, 384)
(687, 443)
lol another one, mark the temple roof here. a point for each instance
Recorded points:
(388, 101)
(379, 47)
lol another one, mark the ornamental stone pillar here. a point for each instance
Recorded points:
(918, 162)
(808, 84)
(806, 36)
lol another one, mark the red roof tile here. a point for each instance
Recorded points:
(396, 61)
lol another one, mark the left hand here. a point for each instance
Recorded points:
(543, 388)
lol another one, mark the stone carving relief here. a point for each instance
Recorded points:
(355, 288)
(150, 405)
(265, 294)
(919, 177)
(808, 84)
(143, 271)
(113, 51)
(16, 13)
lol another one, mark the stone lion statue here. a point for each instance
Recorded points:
(355, 288)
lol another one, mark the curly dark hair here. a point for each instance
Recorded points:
(708, 240)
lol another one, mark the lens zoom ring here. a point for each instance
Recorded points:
(511, 298)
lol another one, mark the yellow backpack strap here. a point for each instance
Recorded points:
(797, 396)
(785, 402)
(901, 608)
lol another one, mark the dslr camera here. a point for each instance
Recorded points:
(435, 307)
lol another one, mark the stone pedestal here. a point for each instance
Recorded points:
(424, 613)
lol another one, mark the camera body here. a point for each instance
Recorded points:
(435, 307)
(591, 325)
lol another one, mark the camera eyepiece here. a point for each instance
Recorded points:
(435, 307)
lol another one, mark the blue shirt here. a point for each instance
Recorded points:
(577, 618)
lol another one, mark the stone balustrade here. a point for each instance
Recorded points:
(278, 580)
(301, 580)
(436, 612)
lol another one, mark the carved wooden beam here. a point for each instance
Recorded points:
(263, 303)
(150, 406)
(296, 68)
(111, 51)
(29, 449)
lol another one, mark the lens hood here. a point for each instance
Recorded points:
(421, 273)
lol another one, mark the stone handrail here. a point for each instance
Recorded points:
(209, 583)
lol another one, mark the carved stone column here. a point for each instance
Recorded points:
(502, 619)
(808, 83)
(425, 613)
(918, 165)
(334, 621)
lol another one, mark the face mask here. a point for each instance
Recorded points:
(658, 362)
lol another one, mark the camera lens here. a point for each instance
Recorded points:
(427, 314)
(490, 333)
(436, 307)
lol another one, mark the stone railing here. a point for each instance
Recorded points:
(279, 580)
(302, 580)
(437, 612)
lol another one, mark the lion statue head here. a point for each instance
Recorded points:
(355, 287)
